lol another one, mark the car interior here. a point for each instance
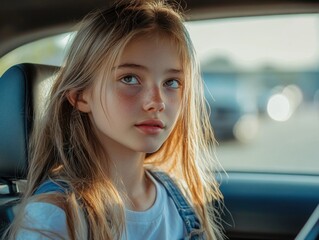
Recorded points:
(18, 89)
(257, 205)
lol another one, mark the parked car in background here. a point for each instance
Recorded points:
(230, 105)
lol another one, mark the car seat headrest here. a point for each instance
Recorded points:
(18, 87)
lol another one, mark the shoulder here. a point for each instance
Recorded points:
(175, 188)
(170, 183)
(43, 219)
(44, 211)
(53, 192)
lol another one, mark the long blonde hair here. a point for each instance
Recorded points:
(64, 145)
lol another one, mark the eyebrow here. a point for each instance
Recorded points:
(137, 66)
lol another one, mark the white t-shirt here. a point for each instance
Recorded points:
(161, 221)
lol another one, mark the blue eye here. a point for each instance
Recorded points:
(130, 80)
(172, 83)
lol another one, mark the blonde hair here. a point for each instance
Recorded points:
(64, 145)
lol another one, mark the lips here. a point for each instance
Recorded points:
(152, 126)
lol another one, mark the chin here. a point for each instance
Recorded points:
(150, 149)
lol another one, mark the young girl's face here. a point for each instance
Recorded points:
(138, 107)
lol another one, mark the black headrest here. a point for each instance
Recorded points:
(18, 89)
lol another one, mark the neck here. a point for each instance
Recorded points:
(128, 174)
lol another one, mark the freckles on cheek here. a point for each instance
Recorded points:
(127, 96)
(174, 105)
(175, 100)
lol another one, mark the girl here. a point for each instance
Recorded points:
(125, 113)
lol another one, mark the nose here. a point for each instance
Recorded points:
(154, 101)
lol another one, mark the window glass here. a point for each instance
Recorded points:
(49, 51)
(262, 75)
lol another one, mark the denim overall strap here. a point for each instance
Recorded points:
(186, 212)
(50, 186)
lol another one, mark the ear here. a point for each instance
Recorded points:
(79, 100)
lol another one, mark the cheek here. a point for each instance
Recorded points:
(127, 97)
(174, 99)
(174, 105)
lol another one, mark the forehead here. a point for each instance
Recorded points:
(152, 47)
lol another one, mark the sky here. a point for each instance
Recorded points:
(290, 41)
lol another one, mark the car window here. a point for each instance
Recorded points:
(261, 83)
(50, 50)
(262, 73)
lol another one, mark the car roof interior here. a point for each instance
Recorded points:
(22, 22)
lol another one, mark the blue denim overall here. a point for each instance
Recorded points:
(186, 212)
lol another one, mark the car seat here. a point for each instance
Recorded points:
(19, 87)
